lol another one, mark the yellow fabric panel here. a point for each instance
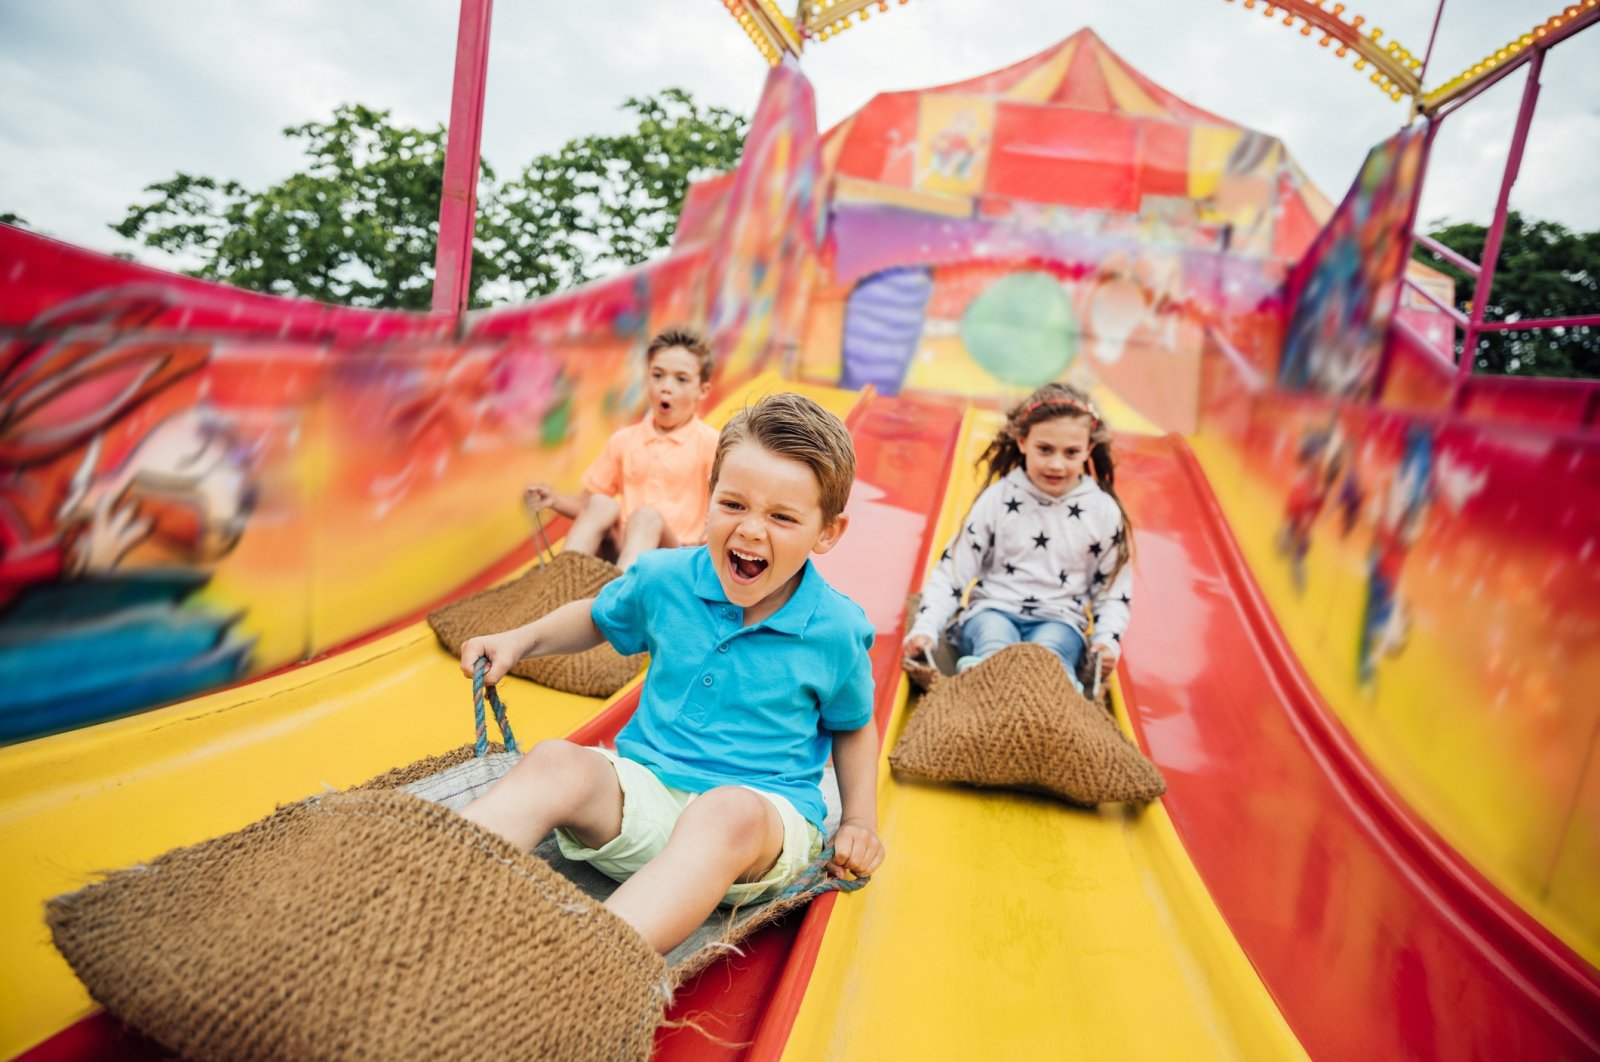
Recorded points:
(953, 138)
(855, 190)
(1209, 147)
(1125, 91)
(1043, 82)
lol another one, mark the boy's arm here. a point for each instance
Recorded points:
(568, 505)
(856, 847)
(569, 629)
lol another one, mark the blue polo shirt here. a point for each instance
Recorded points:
(726, 704)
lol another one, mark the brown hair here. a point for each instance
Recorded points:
(1051, 402)
(795, 427)
(687, 338)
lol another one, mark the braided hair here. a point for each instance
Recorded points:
(1050, 402)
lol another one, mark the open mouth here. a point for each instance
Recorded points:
(746, 567)
(664, 406)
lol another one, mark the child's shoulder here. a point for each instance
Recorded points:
(1094, 500)
(659, 565)
(838, 612)
(627, 432)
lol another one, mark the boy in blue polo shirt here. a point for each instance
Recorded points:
(758, 669)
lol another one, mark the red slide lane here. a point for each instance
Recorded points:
(1375, 939)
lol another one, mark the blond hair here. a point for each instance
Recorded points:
(795, 427)
(687, 338)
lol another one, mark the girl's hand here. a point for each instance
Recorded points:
(1108, 661)
(503, 651)
(856, 850)
(917, 645)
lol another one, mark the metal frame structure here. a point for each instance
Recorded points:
(1527, 50)
(1396, 72)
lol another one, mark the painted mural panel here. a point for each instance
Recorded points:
(1437, 579)
(184, 509)
(1348, 283)
(200, 485)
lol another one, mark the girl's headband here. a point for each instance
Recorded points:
(1060, 400)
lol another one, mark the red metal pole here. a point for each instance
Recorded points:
(458, 206)
(1497, 229)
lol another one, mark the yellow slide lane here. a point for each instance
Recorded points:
(1009, 926)
(111, 795)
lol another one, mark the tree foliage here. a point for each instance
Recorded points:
(600, 202)
(359, 224)
(1544, 270)
(17, 220)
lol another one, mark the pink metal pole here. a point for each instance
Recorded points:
(458, 206)
(1433, 35)
(1497, 229)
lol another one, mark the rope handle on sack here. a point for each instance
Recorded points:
(541, 541)
(478, 687)
(815, 880)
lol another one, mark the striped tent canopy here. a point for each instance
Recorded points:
(1075, 126)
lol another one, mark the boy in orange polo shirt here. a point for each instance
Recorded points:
(660, 467)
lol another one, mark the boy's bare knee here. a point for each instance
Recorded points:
(646, 520)
(602, 509)
(554, 762)
(734, 817)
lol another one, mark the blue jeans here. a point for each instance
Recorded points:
(986, 633)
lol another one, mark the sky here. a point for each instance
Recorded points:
(100, 98)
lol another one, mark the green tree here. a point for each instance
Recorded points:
(8, 218)
(360, 223)
(601, 202)
(1544, 270)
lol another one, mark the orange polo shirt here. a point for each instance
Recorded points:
(670, 473)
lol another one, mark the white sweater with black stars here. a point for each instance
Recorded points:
(1035, 556)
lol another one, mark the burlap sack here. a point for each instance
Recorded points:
(456, 778)
(369, 924)
(1015, 722)
(598, 672)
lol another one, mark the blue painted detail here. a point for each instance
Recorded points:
(98, 595)
(41, 710)
(92, 649)
(882, 324)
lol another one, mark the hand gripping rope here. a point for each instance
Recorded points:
(814, 880)
(482, 747)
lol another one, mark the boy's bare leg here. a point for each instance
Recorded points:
(556, 784)
(589, 529)
(646, 530)
(723, 836)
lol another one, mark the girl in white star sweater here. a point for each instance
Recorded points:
(1043, 545)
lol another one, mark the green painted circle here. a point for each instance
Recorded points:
(1022, 329)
